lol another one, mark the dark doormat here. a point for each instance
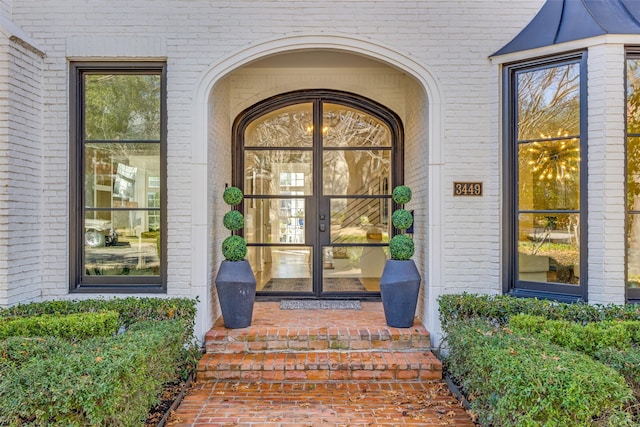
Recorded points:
(292, 304)
(333, 284)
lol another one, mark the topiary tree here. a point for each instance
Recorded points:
(234, 247)
(401, 246)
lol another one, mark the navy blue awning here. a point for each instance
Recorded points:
(560, 21)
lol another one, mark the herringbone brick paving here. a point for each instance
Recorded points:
(319, 368)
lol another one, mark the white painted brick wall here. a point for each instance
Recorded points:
(21, 228)
(606, 162)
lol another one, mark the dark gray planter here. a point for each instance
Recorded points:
(236, 286)
(399, 287)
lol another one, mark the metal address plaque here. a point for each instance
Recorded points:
(467, 189)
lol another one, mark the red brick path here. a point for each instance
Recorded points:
(319, 368)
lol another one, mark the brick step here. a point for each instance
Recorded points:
(320, 366)
(249, 340)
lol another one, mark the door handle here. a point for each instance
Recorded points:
(323, 228)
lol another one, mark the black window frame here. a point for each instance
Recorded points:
(511, 283)
(78, 281)
(632, 295)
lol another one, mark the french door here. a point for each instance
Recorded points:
(317, 169)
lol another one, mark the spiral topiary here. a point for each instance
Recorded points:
(234, 248)
(233, 220)
(401, 246)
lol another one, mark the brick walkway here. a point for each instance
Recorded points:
(319, 368)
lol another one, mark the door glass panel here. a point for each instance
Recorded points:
(121, 242)
(352, 268)
(548, 248)
(360, 220)
(274, 220)
(281, 268)
(347, 127)
(290, 126)
(549, 175)
(278, 172)
(356, 172)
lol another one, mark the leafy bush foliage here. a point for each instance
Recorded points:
(513, 380)
(499, 308)
(232, 196)
(401, 194)
(233, 220)
(102, 381)
(402, 219)
(587, 338)
(131, 309)
(76, 327)
(234, 248)
(627, 362)
(401, 247)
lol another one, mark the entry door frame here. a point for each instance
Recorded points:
(317, 97)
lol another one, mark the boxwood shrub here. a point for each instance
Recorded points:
(76, 327)
(499, 308)
(512, 380)
(101, 381)
(627, 362)
(586, 338)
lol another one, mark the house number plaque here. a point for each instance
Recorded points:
(467, 189)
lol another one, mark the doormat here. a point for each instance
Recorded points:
(333, 284)
(292, 304)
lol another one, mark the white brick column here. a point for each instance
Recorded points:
(606, 166)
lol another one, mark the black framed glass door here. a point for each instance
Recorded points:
(317, 169)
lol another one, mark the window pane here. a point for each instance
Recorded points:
(347, 127)
(278, 172)
(353, 268)
(356, 172)
(121, 243)
(549, 248)
(290, 126)
(633, 250)
(122, 175)
(274, 220)
(549, 175)
(549, 102)
(633, 96)
(360, 220)
(122, 107)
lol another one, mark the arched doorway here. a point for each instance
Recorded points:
(317, 168)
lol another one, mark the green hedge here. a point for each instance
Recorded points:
(131, 309)
(513, 380)
(102, 381)
(627, 362)
(499, 308)
(587, 338)
(77, 326)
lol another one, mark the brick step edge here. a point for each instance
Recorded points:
(320, 366)
(224, 342)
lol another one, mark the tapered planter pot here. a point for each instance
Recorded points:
(399, 287)
(236, 286)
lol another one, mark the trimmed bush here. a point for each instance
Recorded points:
(232, 196)
(233, 220)
(402, 219)
(74, 327)
(587, 338)
(401, 194)
(234, 248)
(627, 362)
(131, 309)
(499, 308)
(401, 247)
(103, 381)
(513, 380)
